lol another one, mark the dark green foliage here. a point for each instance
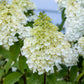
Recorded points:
(14, 51)
(63, 72)
(4, 53)
(35, 79)
(29, 24)
(1, 72)
(22, 63)
(73, 73)
(12, 78)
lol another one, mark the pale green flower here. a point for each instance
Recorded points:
(44, 48)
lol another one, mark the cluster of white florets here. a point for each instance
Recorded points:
(46, 47)
(81, 46)
(24, 5)
(81, 2)
(75, 22)
(61, 3)
(74, 19)
(12, 21)
(70, 56)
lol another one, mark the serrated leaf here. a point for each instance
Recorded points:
(22, 63)
(1, 72)
(12, 78)
(73, 73)
(14, 51)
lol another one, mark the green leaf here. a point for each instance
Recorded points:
(73, 73)
(35, 79)
(51, 79)
(61, 82)
(30, 24)
(8, 65)
(5, 53)
(64, 67)
(1, 73)
(16, 64)
(2, 62)
(62, 72)
(21, 81)
(81, 75)
(22, 63)
(12, 78)
(14, 51)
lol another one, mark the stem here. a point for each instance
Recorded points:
(45, 78)
(81, 77)
(24, 78)
(2, 80)
(68, 73)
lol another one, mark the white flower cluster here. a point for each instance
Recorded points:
(70, 56)
(46, 48)
(81, 2)
(74, 18)
(24, 5)
(11, 22)
(61, 3)
(74, 23)
(81, 46)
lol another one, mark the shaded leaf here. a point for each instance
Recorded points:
(51, 79)
(5, 53)
(1, 73)
(22, 63)
(14, 51)
(8, 65)
(12, 78)
(35, 79)
(73, 73)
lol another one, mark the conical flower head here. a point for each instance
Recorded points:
(44, 46)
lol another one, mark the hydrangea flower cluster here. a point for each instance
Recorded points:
(81, 2)
(46, 47)
(75, 22)
(81, 46)
(63, 3)
(70, 56)
(74, 19)
(24, 5)
(12, 22)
